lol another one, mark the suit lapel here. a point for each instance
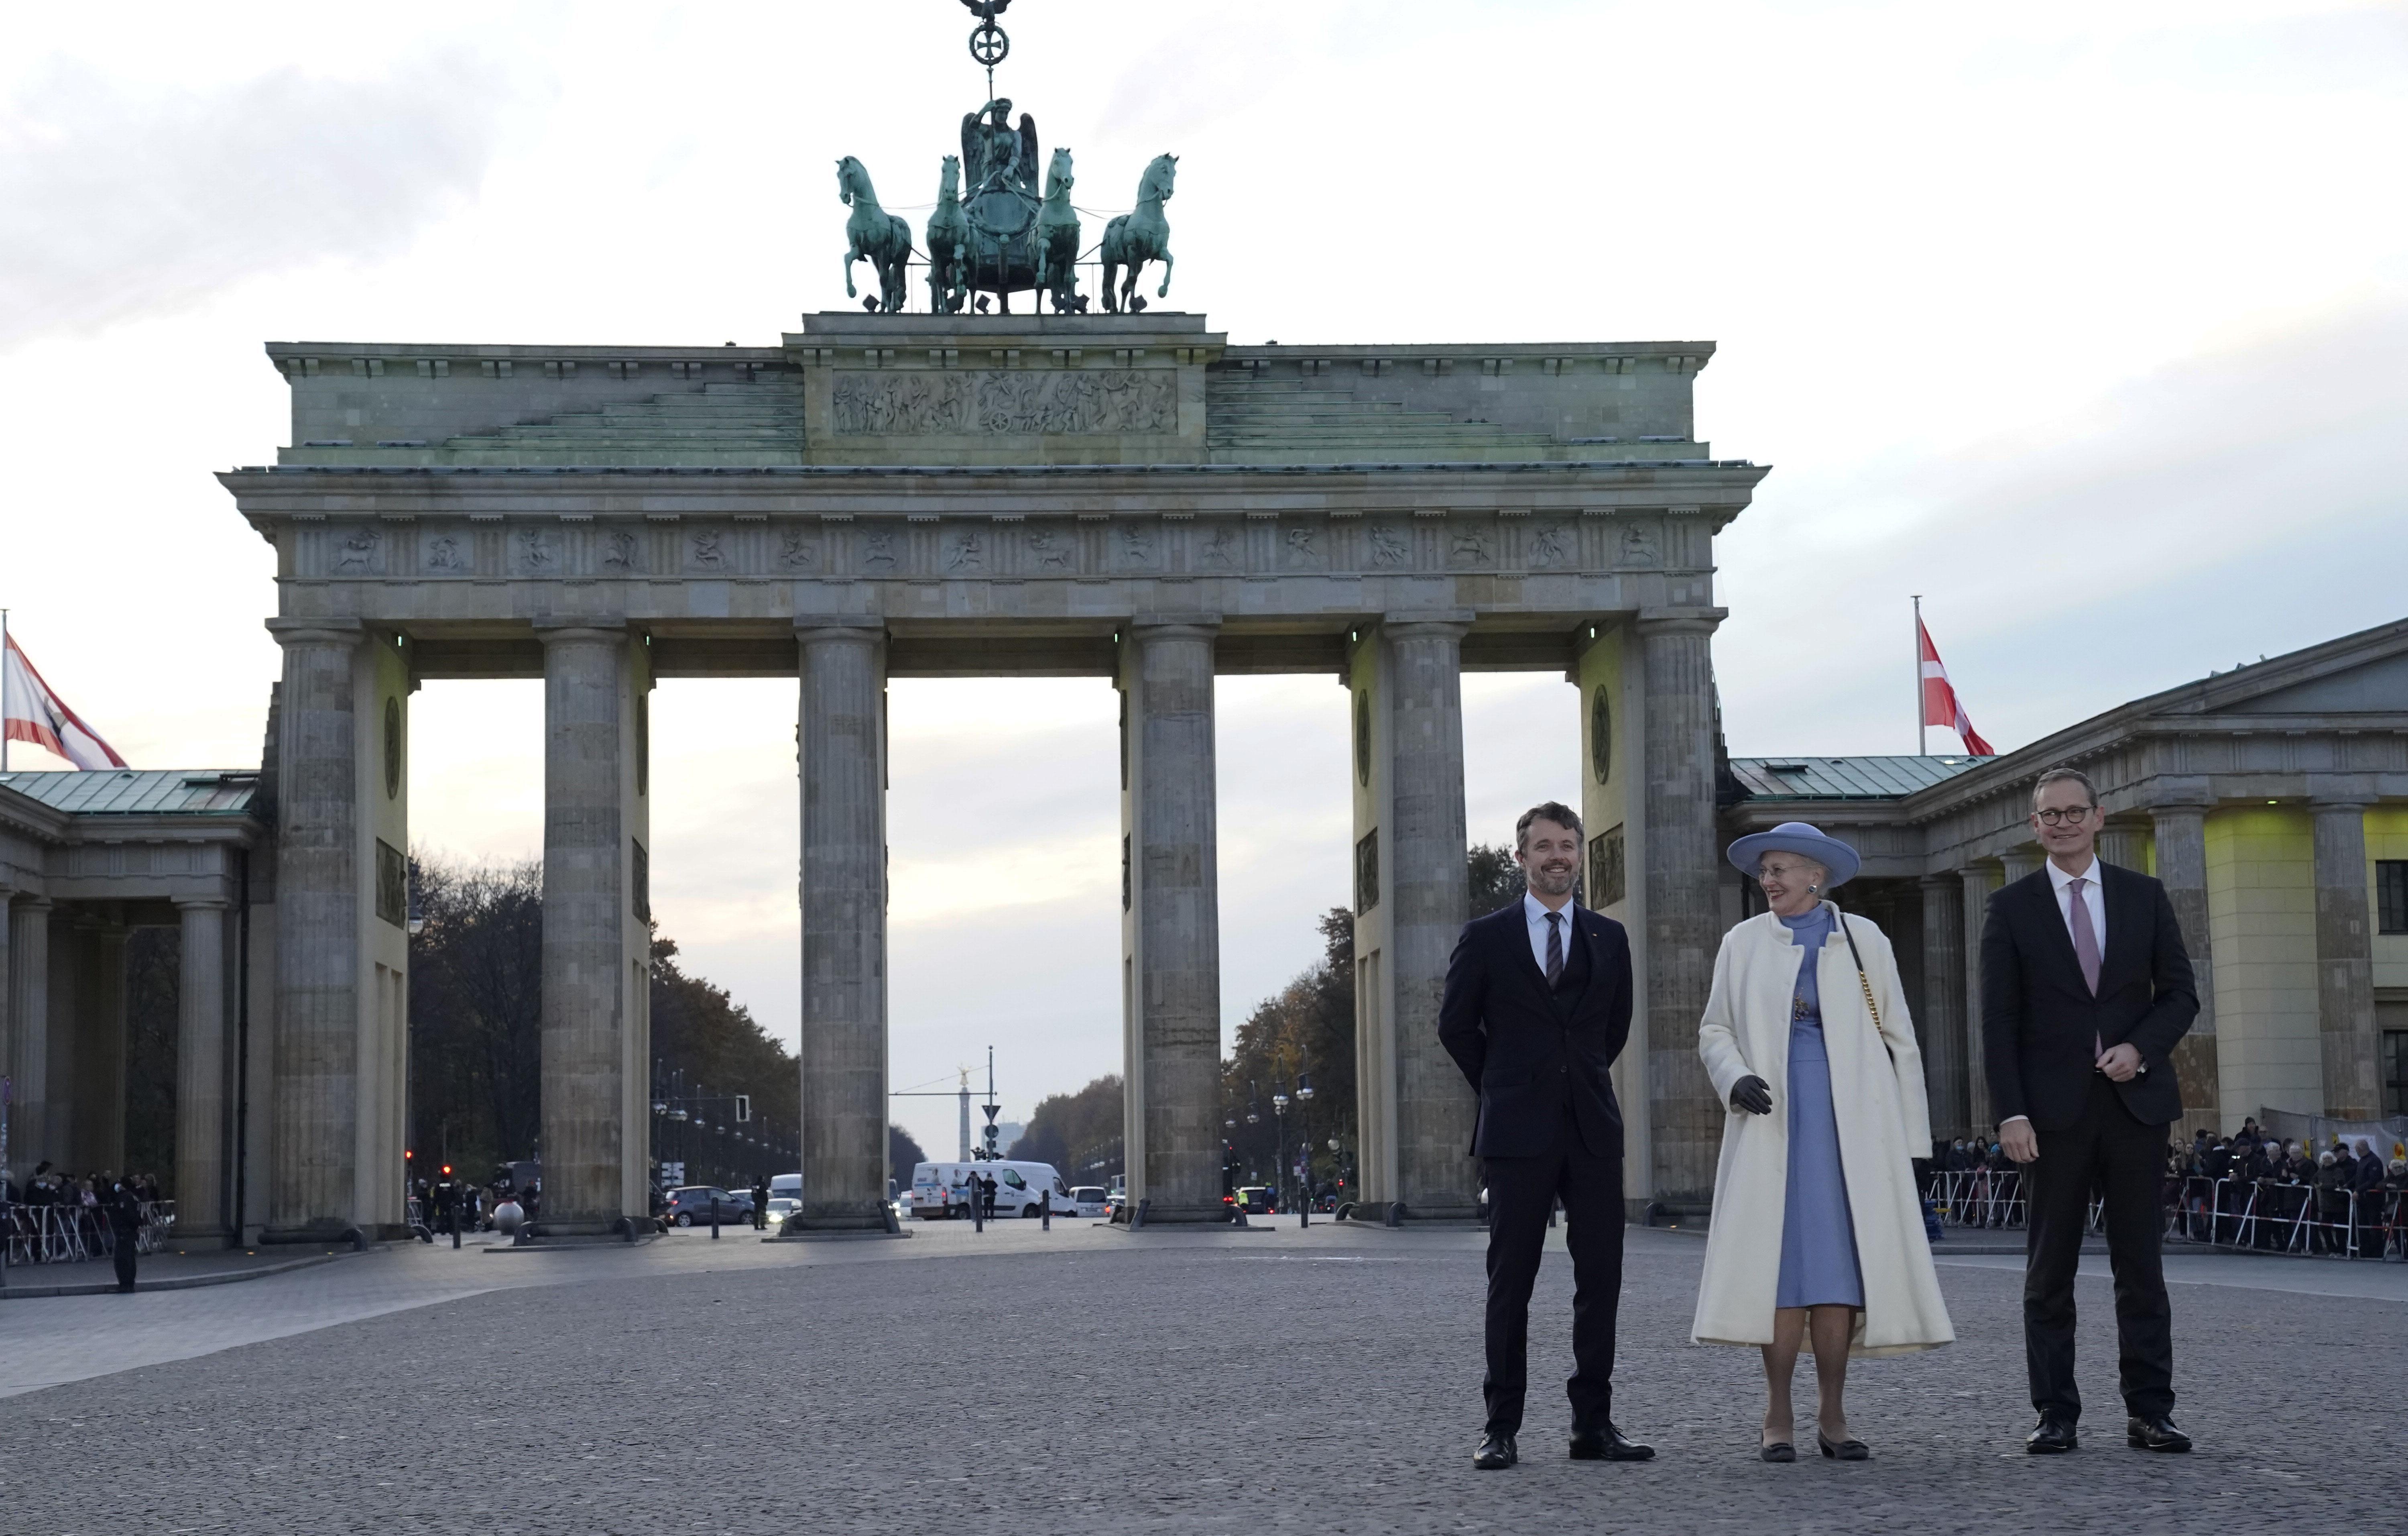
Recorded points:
(1518, 929)
(2129, 928)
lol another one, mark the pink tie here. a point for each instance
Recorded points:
(2086, 937)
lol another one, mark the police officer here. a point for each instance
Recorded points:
(123, 1209)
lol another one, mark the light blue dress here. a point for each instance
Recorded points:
(1818, 1233)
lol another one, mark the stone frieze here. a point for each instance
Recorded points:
(996, 402)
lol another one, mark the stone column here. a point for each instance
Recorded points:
(1975, 902)
(15, 1091)
(201, 1073)
(1171, 927)
(1436, 1176)
(29, 1045)
(99, 1120)
(2344, 961)
(2182, 868)
(1943, 1033)
(313, 1176)
(1682, 863)
(2120, 844)
(843, 740)
(585, 858)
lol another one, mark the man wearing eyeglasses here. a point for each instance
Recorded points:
(2084, 990)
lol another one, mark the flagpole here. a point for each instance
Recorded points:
(4, 690)
(1921, 748)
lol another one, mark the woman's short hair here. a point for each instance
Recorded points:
(1545, 810)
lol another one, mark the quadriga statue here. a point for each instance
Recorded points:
(1140, 236)
(873, 234)
(949, 243)
(1057, 238)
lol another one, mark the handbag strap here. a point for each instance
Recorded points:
(1862, 980)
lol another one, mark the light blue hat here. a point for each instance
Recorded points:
(1798, 837)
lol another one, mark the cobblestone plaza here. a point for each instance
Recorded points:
(1323, 1380)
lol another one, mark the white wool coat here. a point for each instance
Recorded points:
(1885, 1120)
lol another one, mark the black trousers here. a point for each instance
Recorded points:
(123, 1255)
(2109, 1151)
(1522, 1193)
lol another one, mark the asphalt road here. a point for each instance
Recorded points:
(1088, 1379)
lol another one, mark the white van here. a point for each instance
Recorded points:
(942, 1191)
(789, 1185)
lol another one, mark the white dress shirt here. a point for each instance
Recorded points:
(1534, 913)
(2063, 885)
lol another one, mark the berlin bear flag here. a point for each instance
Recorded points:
(1940, 703)
(35, 714)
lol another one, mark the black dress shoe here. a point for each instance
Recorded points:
(2050, 1437)
(1779, 1450)
(1608, 1443)
(1842, 1450)
(1496, 1453)
(2155, 1434)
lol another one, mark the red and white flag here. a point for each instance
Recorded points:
(35, 714)
(1940, 704)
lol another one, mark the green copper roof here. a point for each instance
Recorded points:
(1844, 778)
(140, 792)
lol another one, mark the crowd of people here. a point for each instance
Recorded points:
(2250, 1189)
(59, 1217)
(2256, 1191)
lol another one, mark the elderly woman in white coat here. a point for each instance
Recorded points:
(1817, 1228)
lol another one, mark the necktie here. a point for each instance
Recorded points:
(1554, 948)
(2086, 937)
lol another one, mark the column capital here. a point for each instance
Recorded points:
(1681, 621)
(1942, 882)
(2160, 809)
(1409, 624)
(202, 903)
(290, 632)
(2341, 791)
(809, 627)
(36, 903)
(1194, 626)
(578, 632)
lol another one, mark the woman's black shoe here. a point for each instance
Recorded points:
(1844, 1450)
(1779, 1450)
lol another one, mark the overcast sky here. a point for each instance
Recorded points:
(2085, 322)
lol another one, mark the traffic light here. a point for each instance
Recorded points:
(447, 1171)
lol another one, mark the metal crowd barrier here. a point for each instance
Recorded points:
(1990, 1199)
(2263, 1217)
(2244, 1214)
(72, 1234)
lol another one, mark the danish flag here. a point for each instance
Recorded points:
(35, 714)
(1940, 703)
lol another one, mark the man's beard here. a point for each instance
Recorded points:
(1548, 881)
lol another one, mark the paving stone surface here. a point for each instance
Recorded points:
(1081, 1380)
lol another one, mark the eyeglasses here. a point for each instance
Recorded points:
(2072, 814)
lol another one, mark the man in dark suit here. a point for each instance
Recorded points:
(1536, 1006)
(2084, 990)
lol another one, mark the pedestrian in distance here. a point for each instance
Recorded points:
(124, 1210)
(1818, 1231)
(986, 1196)
(760, 1205)
(2085, 990)
(1536, 1006)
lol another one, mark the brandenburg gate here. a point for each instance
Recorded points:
(1122, 496)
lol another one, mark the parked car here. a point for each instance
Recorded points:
(689, 1206)
(1090, 1202)
(781, 1207)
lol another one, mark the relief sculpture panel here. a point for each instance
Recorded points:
(995, 402)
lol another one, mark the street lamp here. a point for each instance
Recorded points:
(1304, 1144)
(1279, 1108)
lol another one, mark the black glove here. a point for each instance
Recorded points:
(1752, 1094)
